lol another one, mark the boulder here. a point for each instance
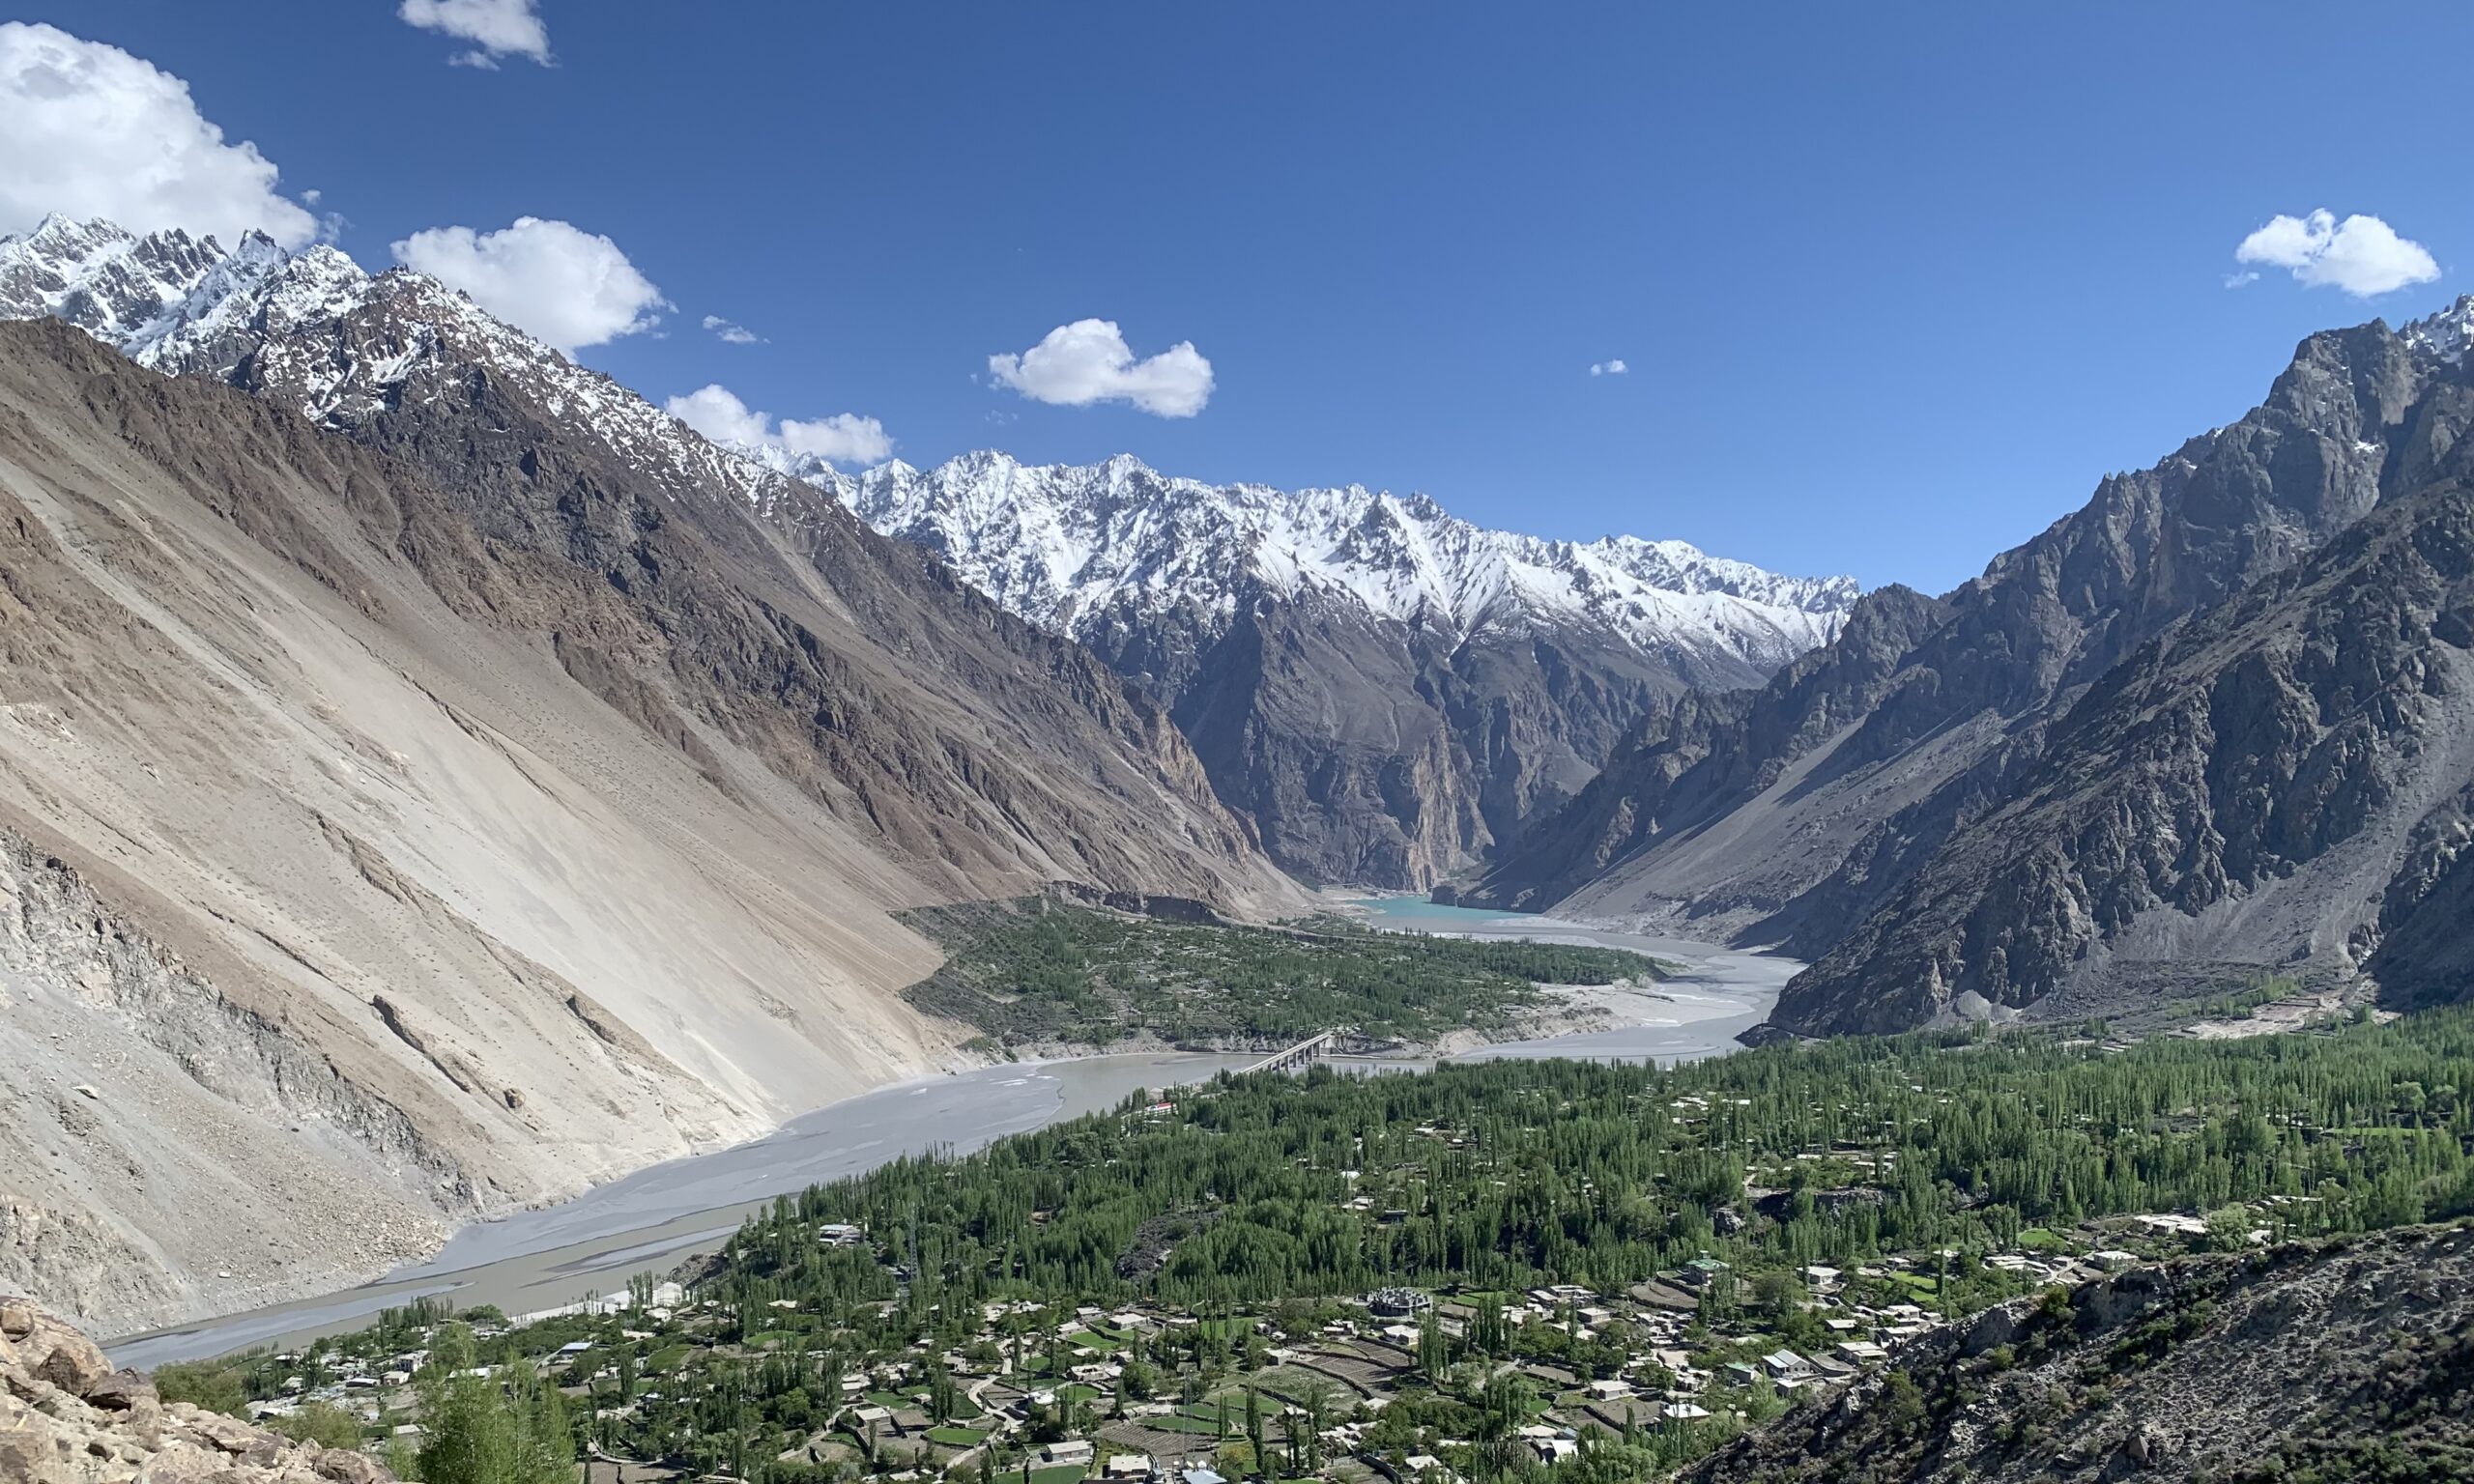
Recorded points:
(68, 1418)
(70, 1361)
(122, 1390)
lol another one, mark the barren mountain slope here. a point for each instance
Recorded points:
(383, 853)
(1384, 691)
(2280, 782)
(1790, 815)
(862, 671)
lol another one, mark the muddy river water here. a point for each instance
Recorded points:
(655, 1217)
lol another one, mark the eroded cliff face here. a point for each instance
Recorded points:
(1367, 751)
(384, 854)
(1700, 756)
(134, 1088)
(1801, 813)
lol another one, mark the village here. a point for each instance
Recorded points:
(673, 1381)
(1562, 1271)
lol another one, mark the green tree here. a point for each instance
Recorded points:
(206, 1383)
(1254, 1420)
(501, 1425)
(1901, 1404)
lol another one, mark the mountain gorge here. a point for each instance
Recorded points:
(439, 780)
(1389, 692)
(2187, 733)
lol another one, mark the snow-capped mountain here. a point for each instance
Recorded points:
(1060, 546)
(1082, 548)
(2446, 335)
(341, 344)
(1388, 691)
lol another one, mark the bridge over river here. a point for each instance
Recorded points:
(1297, 1056)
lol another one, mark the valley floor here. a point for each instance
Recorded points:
(1937, 1256)
(555, 1254)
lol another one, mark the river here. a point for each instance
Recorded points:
(659, 1215)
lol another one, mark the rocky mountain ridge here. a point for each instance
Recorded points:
(402, 361)
(2279, 783)
(1384, 692)
(1795, 813)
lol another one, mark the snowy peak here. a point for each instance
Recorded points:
(108, 282)
(2447, 336)
(1078, 547)
(1386, 690)
(314, 330)
(1072, 548)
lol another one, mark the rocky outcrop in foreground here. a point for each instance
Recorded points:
(68, 1418)
(2348, 1360)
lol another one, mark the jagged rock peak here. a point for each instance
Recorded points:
(2447, 335)
(313, 328)
(1070, 546)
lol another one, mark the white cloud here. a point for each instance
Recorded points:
(731, 331)
(497, 28)
(1088, 360)
(1608, 368)
(89, 130)
(2362, 255)
(568, 286)
(845, 437)
(330, 224)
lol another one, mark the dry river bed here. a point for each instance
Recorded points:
(658, 1217)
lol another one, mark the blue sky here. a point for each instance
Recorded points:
(1894, 285)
